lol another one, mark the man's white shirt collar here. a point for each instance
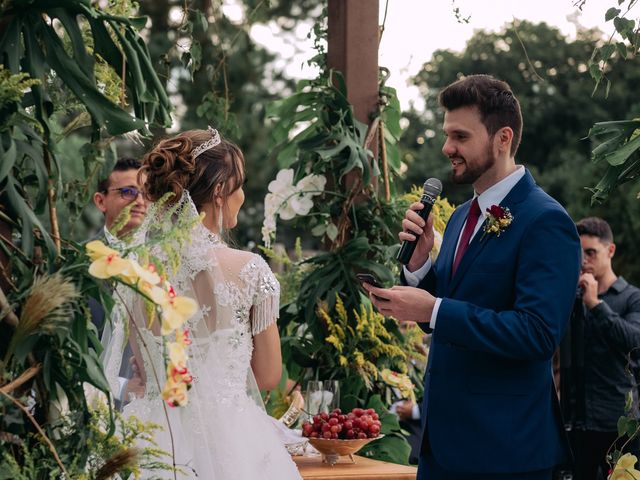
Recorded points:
(112, 239)
(497, 193)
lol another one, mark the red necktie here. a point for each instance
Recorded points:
(467, 233)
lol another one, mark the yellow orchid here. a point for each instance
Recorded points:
(158, 295)
(97, 249)
(145, 276)
(175, 393)
(624, 469)
(176, 311)
(177, 354)
(182, 337)
(106, 262)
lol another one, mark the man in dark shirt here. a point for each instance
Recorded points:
(611, 337)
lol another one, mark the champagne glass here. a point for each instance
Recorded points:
(331, 394)
(314, 397)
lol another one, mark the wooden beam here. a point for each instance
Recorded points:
(353, 50)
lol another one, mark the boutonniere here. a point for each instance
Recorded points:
(498, 219)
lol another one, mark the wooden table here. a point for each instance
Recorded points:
(312, 468)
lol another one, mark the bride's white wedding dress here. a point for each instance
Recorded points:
(223, 433)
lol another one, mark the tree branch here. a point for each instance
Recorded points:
(39, 428)
(6, 312)
(27, 375)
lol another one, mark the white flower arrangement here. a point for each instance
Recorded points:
(288, 200)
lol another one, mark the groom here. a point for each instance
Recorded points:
(497, 300)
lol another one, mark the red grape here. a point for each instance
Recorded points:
(358, 423)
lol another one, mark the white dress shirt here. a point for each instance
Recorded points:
(491, 196)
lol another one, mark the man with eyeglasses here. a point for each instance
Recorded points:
(609, 335)
(118, 191)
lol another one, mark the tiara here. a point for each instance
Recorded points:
(212, 142)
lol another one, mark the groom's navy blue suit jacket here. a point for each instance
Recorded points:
(489, 402)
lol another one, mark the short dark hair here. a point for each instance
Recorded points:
(497, 104)
(122, 165)
(595, 227)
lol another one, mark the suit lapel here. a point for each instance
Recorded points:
(517, 194)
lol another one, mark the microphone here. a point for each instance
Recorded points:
(432, 188)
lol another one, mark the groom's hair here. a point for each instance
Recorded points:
(595, 227)
(123, 164)
(496, 102)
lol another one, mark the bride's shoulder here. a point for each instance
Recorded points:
(243, 261)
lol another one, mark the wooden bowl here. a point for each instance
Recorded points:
(332, 449)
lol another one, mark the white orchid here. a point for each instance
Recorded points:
(288, 200)
(312, 183)
(283, 181)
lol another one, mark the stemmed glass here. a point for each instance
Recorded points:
(322, 396)
(331, 392)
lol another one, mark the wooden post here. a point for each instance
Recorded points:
(353, 50)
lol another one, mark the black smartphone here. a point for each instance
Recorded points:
(368, 278)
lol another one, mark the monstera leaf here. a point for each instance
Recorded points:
(61, 42)
(619, 146)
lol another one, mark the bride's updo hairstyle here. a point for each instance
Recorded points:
(171, 167)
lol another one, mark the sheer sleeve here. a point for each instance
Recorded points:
(266, 297)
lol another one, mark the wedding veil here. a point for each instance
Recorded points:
(199, 265)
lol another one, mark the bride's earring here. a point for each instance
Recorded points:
(220, 221)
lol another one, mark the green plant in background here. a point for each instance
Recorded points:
(110, 453)
(67, 69)
(74, 51)
(620, 148)
(363, 342)
(332, 186)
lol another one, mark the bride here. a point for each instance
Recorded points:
(222, 433)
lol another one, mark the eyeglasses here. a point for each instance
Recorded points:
(127, 193)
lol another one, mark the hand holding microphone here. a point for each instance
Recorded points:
(417, 235)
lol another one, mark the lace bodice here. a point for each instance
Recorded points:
(238, 297)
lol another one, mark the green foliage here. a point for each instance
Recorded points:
(292, 270)
(628, 425)
(65, 66)
(53, 335)
(70, 51)
(357, 227)
(106, 448)
(626, 46)
(620, 150)
(12, 87)
(622, 164)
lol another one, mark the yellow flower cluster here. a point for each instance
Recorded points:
(498, 225)
(367, 334)
(174, 311)
(625, 468)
